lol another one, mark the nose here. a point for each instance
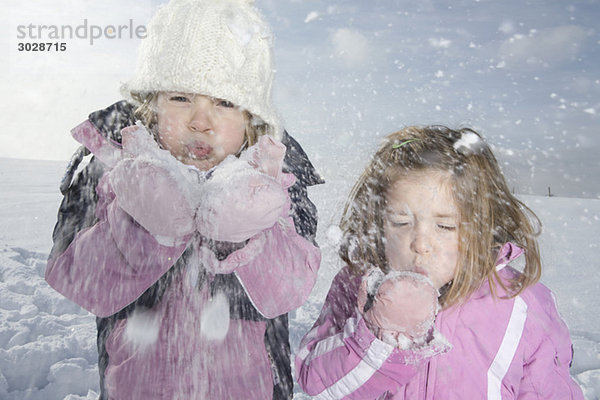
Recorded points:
(421, 243)
(201, 116)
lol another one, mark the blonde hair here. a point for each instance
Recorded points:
(146, 112)
(489, 214)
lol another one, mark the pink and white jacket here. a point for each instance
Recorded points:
(157, 305)
(516, 348)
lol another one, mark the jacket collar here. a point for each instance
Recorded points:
(507, 253)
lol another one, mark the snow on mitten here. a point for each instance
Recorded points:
(238, 202)
(399, 307)
(157, 190)
(137, 141)
(245, 195)
(266, 156)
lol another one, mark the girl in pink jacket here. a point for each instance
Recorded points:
(189, 233)
(428, 306)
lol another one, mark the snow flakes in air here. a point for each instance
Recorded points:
(440, 43)
(351, 46)
(244, 30)
(142, 328)
(507, 27)
(215, 318)
(334, 235)
(469, 143)
(313, 15)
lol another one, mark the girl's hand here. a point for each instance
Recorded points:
(158, 191)
(245, 196)
(266, 156)
(153, 197)
(137, 141)
(238, 202)
(401, 305)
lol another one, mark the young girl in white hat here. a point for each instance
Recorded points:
(190, 234)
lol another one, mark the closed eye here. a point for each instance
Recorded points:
(445, 227)
(399, 224)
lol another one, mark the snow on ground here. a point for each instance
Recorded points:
(47, 344)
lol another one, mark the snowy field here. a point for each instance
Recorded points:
(47, 344)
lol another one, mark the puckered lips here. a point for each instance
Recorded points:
(199, 150)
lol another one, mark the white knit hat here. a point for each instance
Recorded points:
(218, 48)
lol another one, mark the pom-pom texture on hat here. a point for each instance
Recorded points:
(218, 48)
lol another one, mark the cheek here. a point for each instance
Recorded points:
(170, 132)
(229, 140)
(396, 248)
(450, 249)
(234, 129)
(168, 124)
(165, 133)
(449, 253)
(231, 121)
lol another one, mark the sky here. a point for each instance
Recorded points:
(526, 74)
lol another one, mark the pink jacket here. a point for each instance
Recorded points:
(515, 348)
(168, 351)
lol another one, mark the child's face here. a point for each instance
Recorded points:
(199, 130)
(421, 226)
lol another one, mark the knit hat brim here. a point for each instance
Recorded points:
(221, 49)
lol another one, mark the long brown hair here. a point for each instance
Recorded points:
(490, 215)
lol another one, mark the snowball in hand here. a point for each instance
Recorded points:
(404, 302)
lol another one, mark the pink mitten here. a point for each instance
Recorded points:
(400, 305)
(245, 196)
(266, 156)
(238, 258)
(238, 202)
(158, 191)
(137, 141)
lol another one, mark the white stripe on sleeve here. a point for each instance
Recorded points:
(376, 355)
(327, 345)
(507, 349)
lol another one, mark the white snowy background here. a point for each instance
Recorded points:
(526, 74)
